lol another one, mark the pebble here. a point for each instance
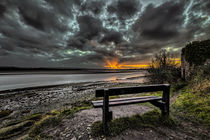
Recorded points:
(68, 135)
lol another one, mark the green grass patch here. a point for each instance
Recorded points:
(4, 113)
(151, 119)
(39, 126)
(194, 106)
(15, 129)
(76, 108)
(35, 117)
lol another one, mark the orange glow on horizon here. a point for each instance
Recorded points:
(113, 64)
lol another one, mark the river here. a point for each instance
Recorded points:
(17, 81)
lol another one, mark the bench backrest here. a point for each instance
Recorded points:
(132, 90)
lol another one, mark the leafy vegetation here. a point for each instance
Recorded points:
(197, 52)
(151, 119)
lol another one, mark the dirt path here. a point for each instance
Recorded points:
(79, 127)
(175, 95)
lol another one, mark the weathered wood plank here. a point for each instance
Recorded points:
(132, 90)
(126, 101)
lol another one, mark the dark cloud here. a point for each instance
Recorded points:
(33, 21)
(124, 8)
(94, 6)
(112, 36)
(79, 33)
(63, 7)
(78, 42)
(2, 10)
(89, 26)
(162, 22)
(40, 17)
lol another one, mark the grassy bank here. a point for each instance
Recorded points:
(193, 103)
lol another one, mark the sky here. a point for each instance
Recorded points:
(97, 33)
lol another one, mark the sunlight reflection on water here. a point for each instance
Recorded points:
(34, 80)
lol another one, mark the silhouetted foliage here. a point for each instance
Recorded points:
(197, 52)
(164, 68)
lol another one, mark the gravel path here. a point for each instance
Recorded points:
(79, 127)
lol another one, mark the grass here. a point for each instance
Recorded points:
(151, 119)
(14, 129)
(39, 126)
(194, 106)
(35, 117)
(4, 113)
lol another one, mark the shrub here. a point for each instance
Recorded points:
(164, 68)
(197, 52)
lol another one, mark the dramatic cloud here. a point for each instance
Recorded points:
(162, 22)
(112, 36)
(124, 8)
(87, 33)
(2, 10)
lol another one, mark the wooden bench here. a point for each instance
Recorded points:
(160, 102)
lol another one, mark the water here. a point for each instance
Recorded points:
(8, 82)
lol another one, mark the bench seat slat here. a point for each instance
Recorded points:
(125, 101)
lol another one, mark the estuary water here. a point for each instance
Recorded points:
(18, 81)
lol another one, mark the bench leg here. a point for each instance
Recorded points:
(166, 100)
(110, 116)
(105, 112)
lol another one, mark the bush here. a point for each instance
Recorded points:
(164, 68)
(197, 52)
